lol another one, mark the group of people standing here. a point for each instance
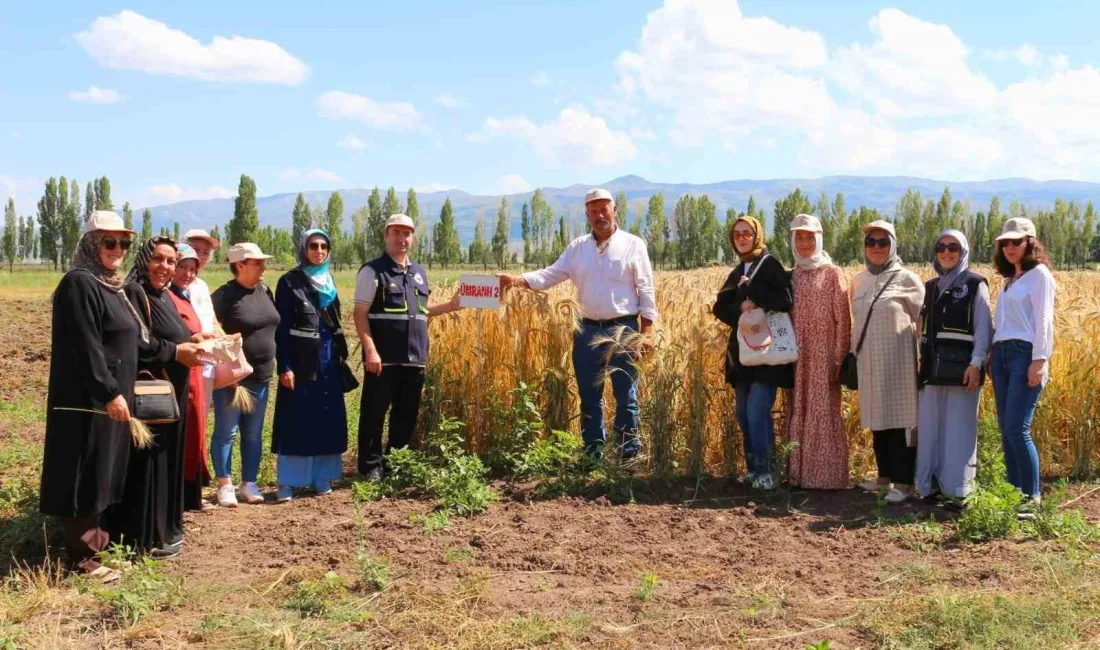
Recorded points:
(920, 352)
(112, 332)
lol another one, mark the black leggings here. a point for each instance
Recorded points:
(896, 460)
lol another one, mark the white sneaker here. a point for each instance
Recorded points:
(227, 496)
(284, 493)
(872, 486)
(765, 482)
(251, 493)
(897, 496)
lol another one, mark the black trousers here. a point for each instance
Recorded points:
(399, 388)
(896, 460)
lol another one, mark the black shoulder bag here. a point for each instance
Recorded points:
(849, 377)
(154, 399)
(340, 340)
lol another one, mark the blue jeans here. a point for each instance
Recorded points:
(590, 368)
(227, 421)
(754, 413)
(1016, 403)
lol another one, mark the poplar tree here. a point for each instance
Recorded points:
(376, 225)
(103, 194)
(447, 248)
(412, 209)
(786, 209)
(128, 222)
(89, 200)
(301, 220)
(525, 230)
(146, 226)
(500, 235)
(656, 229)
(48, 223)
(334, 226)
(246, 219)
(478, 250)
(10, 233)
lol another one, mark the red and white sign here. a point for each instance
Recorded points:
(479, 291)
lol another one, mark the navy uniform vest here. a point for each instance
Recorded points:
(947, 320)
(304, 342)
(399, 314)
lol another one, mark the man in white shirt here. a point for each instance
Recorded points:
(204, 246)
(614, 279)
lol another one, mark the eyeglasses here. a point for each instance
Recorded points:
(948, 248)
(318, 246)
(1013, 243)
(743, 234)
(110, 242)
(876, 242)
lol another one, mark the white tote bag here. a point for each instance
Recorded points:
(774, 347)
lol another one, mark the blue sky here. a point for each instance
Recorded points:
(494, 97)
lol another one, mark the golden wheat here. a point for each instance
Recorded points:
(688, 422)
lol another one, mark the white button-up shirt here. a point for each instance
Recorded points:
(1025, 312)
(613, 282)
(204, 309)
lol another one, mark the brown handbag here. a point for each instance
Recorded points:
(155, 400)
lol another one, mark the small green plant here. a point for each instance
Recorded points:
(373, 573)
(991, 513)
(315, 598)
(142, 590)
(646, 585)
(433, 522)
(513, 430)
(552, 456)
(458, 555)
(820, 645)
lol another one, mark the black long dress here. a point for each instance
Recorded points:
(94, 343)
(151, 512)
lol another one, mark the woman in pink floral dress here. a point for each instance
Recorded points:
(822, 323)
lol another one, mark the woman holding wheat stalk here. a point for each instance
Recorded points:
(150, 516)
(93, 366)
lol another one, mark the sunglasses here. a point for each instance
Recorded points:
(110, 242)
(740, 234)
(318, 246)
(1012, 243)
(948, 248)
(876, 242)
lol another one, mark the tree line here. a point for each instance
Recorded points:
(689, 236)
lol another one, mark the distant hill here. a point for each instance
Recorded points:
(880, 192)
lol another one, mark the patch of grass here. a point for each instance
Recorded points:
(459, 555)
(143, 589)
(433, 522)
(24, 531)
(372, 574)
(317, 598)
(646, 584)
(981, 621)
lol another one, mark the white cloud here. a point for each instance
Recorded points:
(511, 184)
(541, 80)
(96, 95)
(351, 143)
(25, 190)
(448, 100)
(642, 134)
(722, 73)
(576, 137)
(392, 116)
(173, 193)
(914, 69)
(289, 174)
(432, 187)
(130, 41)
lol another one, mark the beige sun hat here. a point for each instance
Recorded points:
(106, 220)
(246, 251)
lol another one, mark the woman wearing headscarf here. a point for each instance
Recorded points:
(93, 366)
(886, 300)
(311, 429)
(758, 281)
(196, 475)
(150, 516)
(822, 325)
(956, 330)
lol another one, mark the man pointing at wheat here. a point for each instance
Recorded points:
(614, 279)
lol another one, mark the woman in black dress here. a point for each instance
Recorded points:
(150, 516)
(93, 361)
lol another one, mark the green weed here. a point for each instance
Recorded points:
(316, 598)
(646, 585)
(143, 589)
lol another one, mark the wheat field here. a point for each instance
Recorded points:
(688, 422)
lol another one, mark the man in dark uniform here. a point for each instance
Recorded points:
(391, 319)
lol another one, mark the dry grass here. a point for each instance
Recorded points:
(687, 408)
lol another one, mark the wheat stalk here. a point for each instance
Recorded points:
(140, 433)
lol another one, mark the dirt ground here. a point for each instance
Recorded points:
(723, 568)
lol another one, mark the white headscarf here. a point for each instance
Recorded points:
(819, 258)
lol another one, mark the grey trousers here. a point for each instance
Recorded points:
(947, 439)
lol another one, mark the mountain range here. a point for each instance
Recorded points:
(881, 192)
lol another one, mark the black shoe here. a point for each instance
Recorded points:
(165, 552)
(375, 475)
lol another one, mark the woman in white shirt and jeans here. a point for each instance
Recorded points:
(1022, 346)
